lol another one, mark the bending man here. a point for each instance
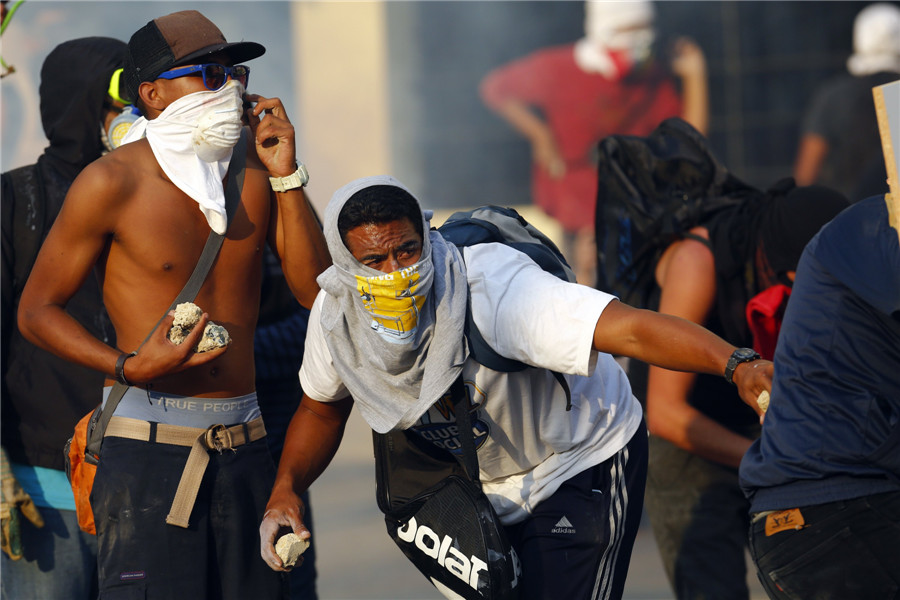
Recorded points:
(538, 462)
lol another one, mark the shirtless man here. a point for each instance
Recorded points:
(130, 215)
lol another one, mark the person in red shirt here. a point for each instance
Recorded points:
(565, 99)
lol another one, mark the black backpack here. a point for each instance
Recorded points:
(504, 225)
(651, 190)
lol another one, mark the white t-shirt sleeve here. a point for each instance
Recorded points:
(527, 314)
(318, 377)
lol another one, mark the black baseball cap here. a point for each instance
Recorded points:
(177, 39)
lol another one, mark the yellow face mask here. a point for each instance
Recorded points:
(392, 301)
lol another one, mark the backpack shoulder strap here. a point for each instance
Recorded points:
(505, 225)
(482, 352)
(697, 238)
(460, 400)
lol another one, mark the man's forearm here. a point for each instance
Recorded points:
(678, 345)
(300, 244)
(712, 441)
(695, 96)
(312, 439)
(670, 417)
(523, 120)
(689, 64)
(662, 340)
(52, 329)
(810, 156)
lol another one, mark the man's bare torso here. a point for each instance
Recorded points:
(159, 235)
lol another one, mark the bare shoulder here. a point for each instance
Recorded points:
(114, 176)
(686, 274)
(107, 185)
(686, 259)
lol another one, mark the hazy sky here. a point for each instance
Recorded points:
(40, 25)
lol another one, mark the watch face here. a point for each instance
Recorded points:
(744, 353)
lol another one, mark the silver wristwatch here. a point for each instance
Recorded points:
(296, 179)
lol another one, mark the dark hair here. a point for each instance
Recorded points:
(791, 221)
(379, 204)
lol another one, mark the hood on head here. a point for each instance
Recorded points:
(339, 253)
(74, 85)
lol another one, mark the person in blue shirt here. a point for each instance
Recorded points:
(823, 480)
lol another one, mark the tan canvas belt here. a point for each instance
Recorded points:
(200, 441)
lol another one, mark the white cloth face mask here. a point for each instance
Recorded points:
(213, 118)
(193, 139)
(219, 128)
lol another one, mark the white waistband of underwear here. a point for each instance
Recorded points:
(188, 411)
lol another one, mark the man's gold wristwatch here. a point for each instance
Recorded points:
(296, 179)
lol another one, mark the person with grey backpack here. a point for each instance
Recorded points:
(387, 333)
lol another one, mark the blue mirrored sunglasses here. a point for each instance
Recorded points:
(214, 74)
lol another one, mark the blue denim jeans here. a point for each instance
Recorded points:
(60, 561)
(846, 549)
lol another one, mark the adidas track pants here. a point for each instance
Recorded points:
(577, 543)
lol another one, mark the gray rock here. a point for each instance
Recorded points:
(187, 314)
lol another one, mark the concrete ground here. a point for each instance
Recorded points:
(356, 560)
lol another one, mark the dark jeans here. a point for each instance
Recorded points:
(217, 556)
(576, 544)
(699, 518)
(846, 550)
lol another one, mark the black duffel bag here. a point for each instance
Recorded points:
(438, 515)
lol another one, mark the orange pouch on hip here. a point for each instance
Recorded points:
(81, 472)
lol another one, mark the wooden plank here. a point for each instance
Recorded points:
(887, 109)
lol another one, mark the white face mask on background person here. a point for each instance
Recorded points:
(618, 37)
(634, 44)
(615, 53)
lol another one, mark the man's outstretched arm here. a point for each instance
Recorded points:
(676, 344)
